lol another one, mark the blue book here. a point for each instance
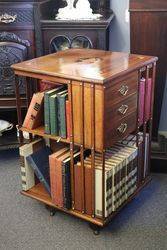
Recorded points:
(39, 161)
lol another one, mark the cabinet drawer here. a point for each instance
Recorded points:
(120, 129)
(121, 88)
(121, 109)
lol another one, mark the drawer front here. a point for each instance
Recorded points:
(121, 109)
(14, 16)
(120, 129)
(122, 89)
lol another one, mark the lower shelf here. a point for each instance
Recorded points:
(38, 192)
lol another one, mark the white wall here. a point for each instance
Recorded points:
(120, 27)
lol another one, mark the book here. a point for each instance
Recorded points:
(34, 116)
(60, 178)
(144, 90)
(53, 109)
(27, 173)
(149, 98)
(68, 118)
(61, 98)
(47, 96)
(39, 161)
(56, 187)
(141, 100)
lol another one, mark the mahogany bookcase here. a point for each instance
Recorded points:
(98, 82)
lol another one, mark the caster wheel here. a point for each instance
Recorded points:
(52, 213)
(96, 232)
(95, 229)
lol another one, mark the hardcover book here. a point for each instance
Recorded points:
(61, 97)
(27, 173)
(34, 116)
(68, 118)
(47, 96)
(60, 177)
(39, 161)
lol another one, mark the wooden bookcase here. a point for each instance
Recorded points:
(99, 83)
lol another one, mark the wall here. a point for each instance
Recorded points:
(120, 27)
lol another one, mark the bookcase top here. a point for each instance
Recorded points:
(88, 65)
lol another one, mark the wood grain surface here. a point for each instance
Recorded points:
(87, 65)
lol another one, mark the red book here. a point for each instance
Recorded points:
(34, 116)
(68, 118)
(141, 100)
(148, 99)
(56, 180)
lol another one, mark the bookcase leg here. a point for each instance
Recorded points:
(52, 210)
(96, 229)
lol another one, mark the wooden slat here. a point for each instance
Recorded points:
(93, 146)
(70, 96)
(82, 147)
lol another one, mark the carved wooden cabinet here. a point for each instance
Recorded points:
(20, 39)
(96, 31)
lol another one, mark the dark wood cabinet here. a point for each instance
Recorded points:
(20, 39)
(149, 36)
(96, 31)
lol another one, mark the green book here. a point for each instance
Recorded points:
(61, 101)
(47, 95)
(53, 115)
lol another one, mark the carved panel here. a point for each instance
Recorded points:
(10, 53)
(22, 16)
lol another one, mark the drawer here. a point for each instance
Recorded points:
(121, 88)
(121, 109)
(120, 129)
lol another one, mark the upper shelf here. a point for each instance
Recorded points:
(86, 65)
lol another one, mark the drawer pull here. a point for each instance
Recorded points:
(123, 109)
(122, 128)
(6, 18)
(123, 90)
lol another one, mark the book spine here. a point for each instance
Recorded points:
(58, 191)
(141, 100)
(62, 116)
(67, 186)
(68, 118)
(46, 114)
(148, 100)
(53, 115)
(38, 173)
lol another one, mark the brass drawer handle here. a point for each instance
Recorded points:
(123, 90)
(123, 109)
(122, 128)
(6, 18)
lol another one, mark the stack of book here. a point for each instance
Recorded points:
(56, 112)
(60, 176)
(120, 179)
